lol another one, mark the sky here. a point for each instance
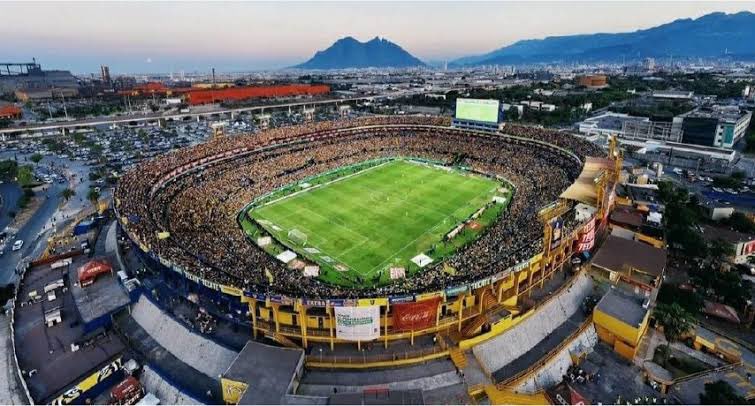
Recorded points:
(137, 37)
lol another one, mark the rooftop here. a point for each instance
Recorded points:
(711, 232)
(617, 253)
(269, 371)
(623, 306)
(103, 297)
(48, 349)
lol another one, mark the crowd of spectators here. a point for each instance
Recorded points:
(188, 213)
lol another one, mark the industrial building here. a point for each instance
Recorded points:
(717, 126)
(9, 112)
(30, 77)
(632, 127)
(593, 81)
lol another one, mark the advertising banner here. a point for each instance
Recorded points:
(587, 237)
(415, 316)
(378, 301)
(557, 226)
(357, 323)
(748, 248)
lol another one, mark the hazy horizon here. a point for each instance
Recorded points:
(165, 37)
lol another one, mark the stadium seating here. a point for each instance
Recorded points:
(553, 371)
(167, 393)
(505, 348)
(429, 376)
(196, 351)
(183, 206)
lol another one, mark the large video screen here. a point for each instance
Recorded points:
(477, 110)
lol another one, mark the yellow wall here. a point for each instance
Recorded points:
(232, 390)
(630, 335)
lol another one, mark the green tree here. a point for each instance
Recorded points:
(93, 196)
(67, 194)
(674, 319)
(25, 176)
(8, 169)
(36, 157)
(719, 250)
(720, 393)
(740, 222)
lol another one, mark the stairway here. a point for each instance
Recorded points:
(490, 301)
(458, 357)
(474, 325)
(283, 340)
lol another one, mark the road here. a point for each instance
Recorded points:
(98, 121)
(36, 231)
(9, 193)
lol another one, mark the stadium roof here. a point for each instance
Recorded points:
(583, 189)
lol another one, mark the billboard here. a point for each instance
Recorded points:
(482, 110)
(557, 226)
(587, 237)
(415, 316)
(357, 323)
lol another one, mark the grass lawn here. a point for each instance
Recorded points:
(377, 218)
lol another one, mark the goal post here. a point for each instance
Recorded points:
(297, 237)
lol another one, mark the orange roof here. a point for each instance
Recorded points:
(9, 110)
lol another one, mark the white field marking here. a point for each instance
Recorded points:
(431, 229)
(320, 185)
(323, 239)
(365, 239)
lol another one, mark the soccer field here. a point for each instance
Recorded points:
(380, 217)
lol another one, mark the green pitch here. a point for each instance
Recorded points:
(360, 225)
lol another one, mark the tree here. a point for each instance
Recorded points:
(675, 320)
(25, 176)
(720, 393)
(719, 250)
(67, 194)
(36, 157)
(93, 196)
(740, 222)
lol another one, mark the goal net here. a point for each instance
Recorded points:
(297, 237)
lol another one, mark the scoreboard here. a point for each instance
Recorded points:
(480, 110)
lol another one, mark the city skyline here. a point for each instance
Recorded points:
(264, 36)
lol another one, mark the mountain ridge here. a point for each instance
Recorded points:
(710, 35)
(348, 52)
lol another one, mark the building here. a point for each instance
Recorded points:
(673, 94)
(693, 157)
(25, 95)
(31, 77)
(621, 320)
(105, 72)
(538, 105)
(635, 266)
(717, 126)
(632, 127)
(742, 244)
(663, 129)
(10, 112)
(262, 374)
(593, 81)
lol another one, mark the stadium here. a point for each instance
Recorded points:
(376, 228)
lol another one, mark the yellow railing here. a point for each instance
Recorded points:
(373, 360)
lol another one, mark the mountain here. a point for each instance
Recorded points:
(711, 35)
(350, 53)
